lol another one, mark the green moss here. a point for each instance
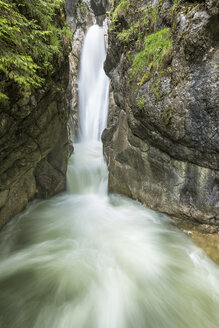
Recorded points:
(129, 57)
(157, 49)
(167, 116)
(146, 49)
(32, 38)
(121, 9)
(83, 9)
(128, 35)
(156, 90)
(146, 77)
(3, 97)
(141, 103)
(138, 29)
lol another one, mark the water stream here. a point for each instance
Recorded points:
(86, 259)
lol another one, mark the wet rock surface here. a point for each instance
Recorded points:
(165, 153)
(99, 7)
(34, 143)
(203, 235)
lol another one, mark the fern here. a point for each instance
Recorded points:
(31, 41)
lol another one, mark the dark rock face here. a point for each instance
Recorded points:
(71, 6)
(34, 144)
(166, 153)
(99, 7)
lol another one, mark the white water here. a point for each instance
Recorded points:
(93, 86)
(86, 259)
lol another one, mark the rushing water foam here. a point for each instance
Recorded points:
(87, 259)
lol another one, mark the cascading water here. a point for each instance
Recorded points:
(86, 259)
(93, 86)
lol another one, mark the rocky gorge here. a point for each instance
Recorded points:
(161, 143)
(83, 254)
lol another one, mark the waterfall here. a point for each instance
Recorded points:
(87, 171)
(93, 86)
(87, 259)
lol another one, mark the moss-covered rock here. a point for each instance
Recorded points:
(162, 141)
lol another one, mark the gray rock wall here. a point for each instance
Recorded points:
(34, 143)
(165, 153)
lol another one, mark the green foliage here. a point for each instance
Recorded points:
(32, 38)
(140, 34)
(143, 24)
(157, 49)
(3, 97)
(121, 9)
(146, 77)
(81, 10)
(141, 103)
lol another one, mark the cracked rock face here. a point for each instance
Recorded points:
(166, 154)
(34, 145)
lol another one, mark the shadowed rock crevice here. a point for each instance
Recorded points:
(99, 7)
